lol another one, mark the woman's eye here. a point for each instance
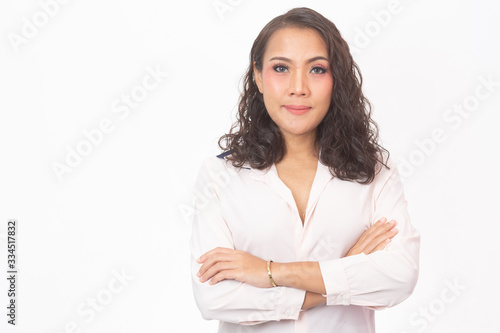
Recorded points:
(280, 68)
(319, 70)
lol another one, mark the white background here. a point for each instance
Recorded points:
(122, 208)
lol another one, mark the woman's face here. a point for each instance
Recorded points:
(295, 81)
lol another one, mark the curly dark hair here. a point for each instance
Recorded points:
(347, 137)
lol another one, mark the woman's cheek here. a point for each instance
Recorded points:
(274, 81)
(324, 84)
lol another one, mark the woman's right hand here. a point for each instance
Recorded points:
(374, 238)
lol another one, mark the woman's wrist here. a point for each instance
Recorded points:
(305, 275)
(312, 299)
(281, 273)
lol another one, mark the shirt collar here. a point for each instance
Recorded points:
(322, 171)
(271, 177)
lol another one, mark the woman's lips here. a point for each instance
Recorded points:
(297, 109)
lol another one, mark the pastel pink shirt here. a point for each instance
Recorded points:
(254, 211)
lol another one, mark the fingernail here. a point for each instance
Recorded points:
(198, 274)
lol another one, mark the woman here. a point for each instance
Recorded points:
(294, 228)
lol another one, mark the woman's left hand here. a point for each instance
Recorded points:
(229, 264)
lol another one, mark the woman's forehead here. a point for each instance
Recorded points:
(295, 44)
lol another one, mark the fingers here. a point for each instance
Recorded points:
(378, 228)
(216, 250)
(214, 269)
(382, 245)
(379, 242)
(375, 238)
(212, 261)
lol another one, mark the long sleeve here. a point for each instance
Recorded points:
(230, 300)
(384, 278)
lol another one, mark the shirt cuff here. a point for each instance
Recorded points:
(284, 303)
(336, 284)
(292, 300)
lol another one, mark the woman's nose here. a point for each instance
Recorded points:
(298, 84)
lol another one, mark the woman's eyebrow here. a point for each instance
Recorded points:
(308, 61)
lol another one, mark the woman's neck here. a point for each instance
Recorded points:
(300, 149)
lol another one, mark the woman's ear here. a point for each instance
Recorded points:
(257, 77)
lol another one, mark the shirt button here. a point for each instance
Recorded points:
(288, 312)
